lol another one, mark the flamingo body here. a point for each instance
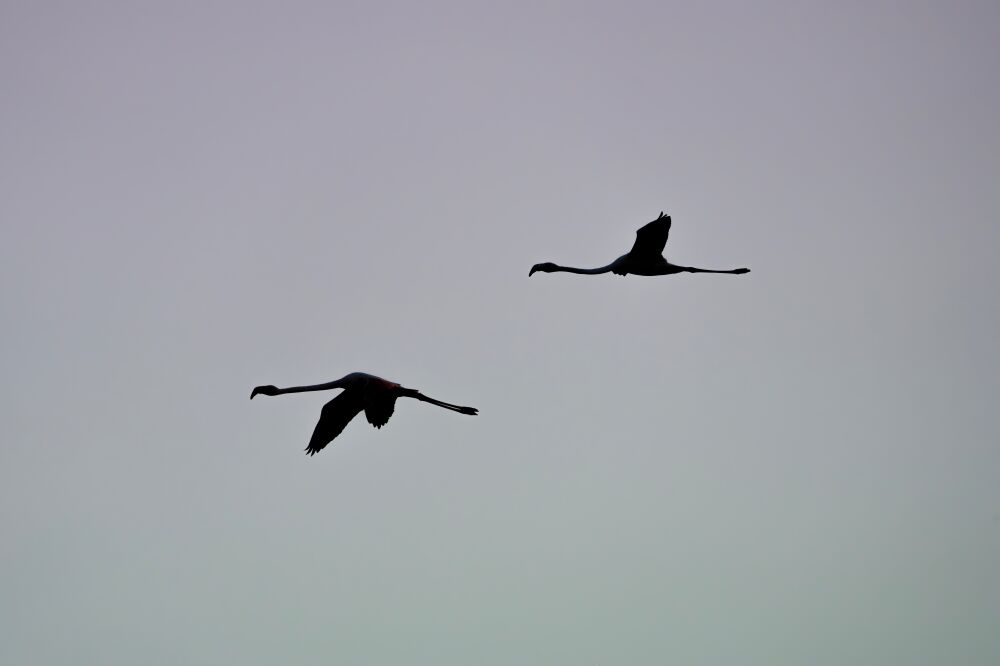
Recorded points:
(362, 392)
(645, 257)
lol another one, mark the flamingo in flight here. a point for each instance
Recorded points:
(374, 395)
(645, 257)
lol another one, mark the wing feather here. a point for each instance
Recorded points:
(379, 411)
(379, 396)
(651, 238)
(333, 419)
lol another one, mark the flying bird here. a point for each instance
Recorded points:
(645, 257)
(374, 395)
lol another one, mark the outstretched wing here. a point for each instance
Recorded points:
(333, 419)
(379, 408)
(379, 399)
(651, 238)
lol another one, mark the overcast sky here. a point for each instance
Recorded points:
(796, 466)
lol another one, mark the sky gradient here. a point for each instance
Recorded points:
(796, 466)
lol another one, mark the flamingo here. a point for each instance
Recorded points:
(374, 395)
(645, 257)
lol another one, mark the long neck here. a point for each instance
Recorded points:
(312, 387)
(582, 271)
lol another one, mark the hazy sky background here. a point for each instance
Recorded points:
(797, 466)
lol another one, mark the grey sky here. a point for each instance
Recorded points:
(797, 466)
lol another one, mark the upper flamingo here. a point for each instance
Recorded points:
(645, 257)
(374, 395)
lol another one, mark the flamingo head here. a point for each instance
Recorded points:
(264, 390)
(546, 267)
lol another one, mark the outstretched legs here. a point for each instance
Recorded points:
(735, 271)
(412, 393)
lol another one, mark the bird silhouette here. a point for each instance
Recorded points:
(374, 395)
(645, 257)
